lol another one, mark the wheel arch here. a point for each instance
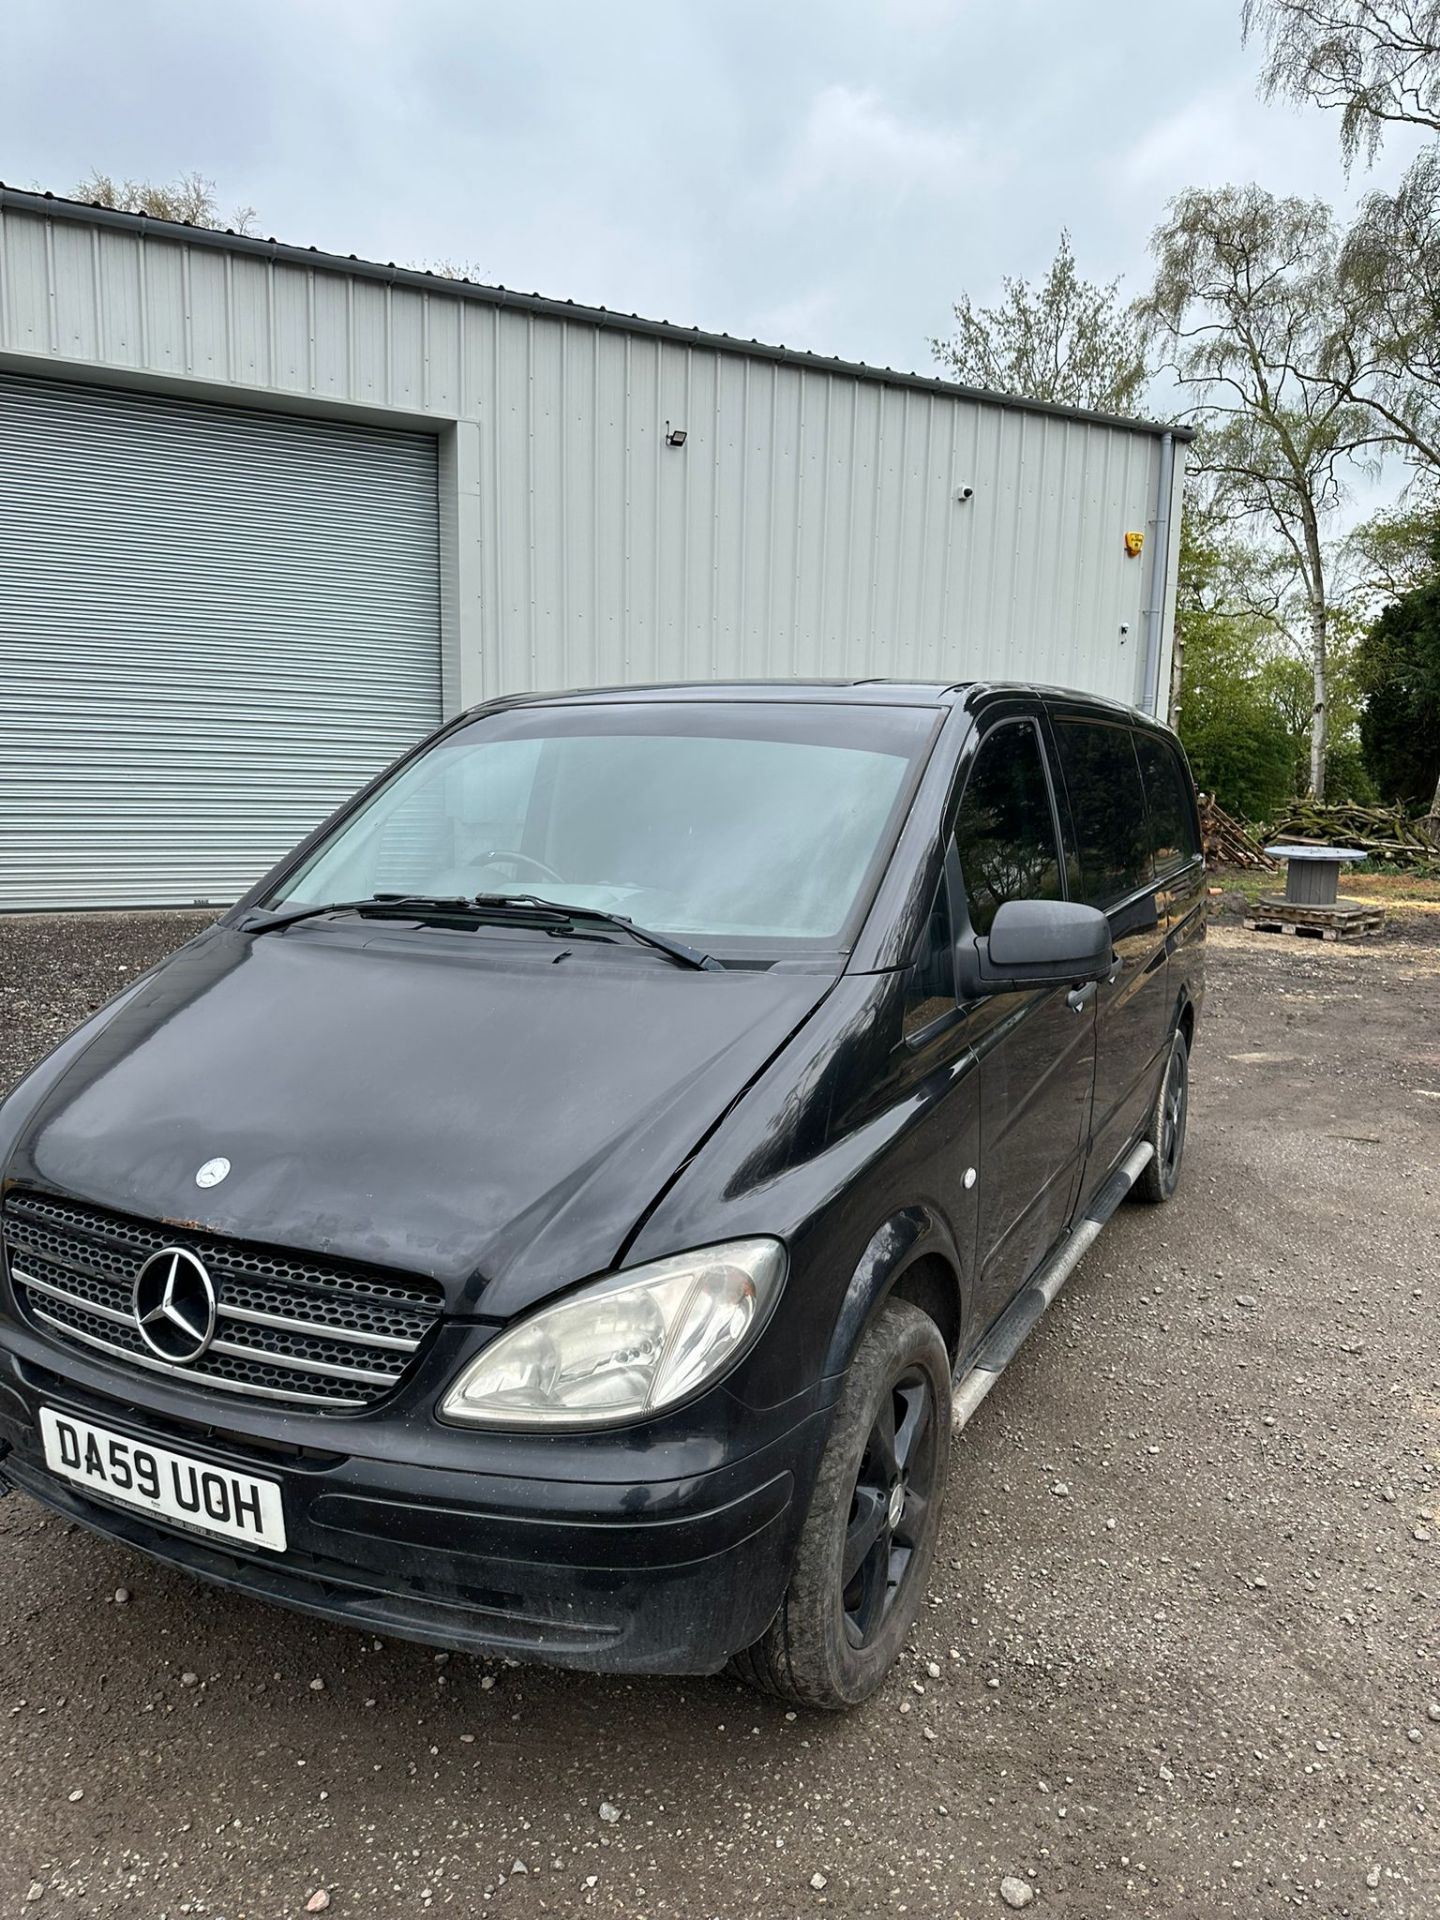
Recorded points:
(933, 1285)
(911, 1256)
(1185, 1021)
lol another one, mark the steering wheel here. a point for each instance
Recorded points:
(514, 857)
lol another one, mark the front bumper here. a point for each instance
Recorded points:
(665, 1575)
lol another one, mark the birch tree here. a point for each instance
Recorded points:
(1384, 345)
(1244, 291)
(1377, 64)
(1374, 62)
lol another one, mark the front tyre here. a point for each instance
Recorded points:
(865, 1553)
(1161, 1175)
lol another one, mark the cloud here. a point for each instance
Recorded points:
(1227, 135)
(853, 141)
(1188, 144)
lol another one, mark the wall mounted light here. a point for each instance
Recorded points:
(674, 436)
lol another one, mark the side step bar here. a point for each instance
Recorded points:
(1005, 1338)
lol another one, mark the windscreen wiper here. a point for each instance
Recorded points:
(382, 904)
(516, 909)
(554, 913)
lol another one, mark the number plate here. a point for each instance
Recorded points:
(233, 1506)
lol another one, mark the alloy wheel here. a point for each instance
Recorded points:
(1172, 1127)
(890, 1505)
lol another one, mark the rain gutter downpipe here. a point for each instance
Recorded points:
(1159, 569)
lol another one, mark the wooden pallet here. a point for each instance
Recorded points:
(1346, 920)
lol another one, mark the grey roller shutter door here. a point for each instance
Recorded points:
(214, 625)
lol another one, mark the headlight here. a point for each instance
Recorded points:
(626, 1347)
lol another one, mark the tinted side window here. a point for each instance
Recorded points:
(1172, 810)
(1107, 805)
(1005, 832)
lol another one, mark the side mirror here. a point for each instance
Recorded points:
(1036, 943)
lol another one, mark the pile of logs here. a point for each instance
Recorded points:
(1229, 844)
(1385, 833)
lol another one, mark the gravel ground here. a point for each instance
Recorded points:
(1203, 1679)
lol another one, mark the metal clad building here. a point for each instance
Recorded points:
(266, 514)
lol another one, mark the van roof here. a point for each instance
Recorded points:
(859, 692)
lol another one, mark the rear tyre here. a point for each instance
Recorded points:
(865, 1553)
(1161, 1176)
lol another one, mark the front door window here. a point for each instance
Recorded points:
(1005, 831)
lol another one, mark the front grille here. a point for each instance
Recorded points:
(291, 1327)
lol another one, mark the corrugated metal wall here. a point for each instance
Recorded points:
(809, 525)
(214, 625)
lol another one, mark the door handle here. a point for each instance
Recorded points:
(1078, 998)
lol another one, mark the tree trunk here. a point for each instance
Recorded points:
(1177, 673)
(1319, 717)
(1320, 712)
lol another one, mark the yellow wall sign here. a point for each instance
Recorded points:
(1134, 543)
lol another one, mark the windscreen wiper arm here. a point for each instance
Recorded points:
(374, 903)
(524, 908)
(556, 913)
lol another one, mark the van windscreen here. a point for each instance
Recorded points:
(742, 822)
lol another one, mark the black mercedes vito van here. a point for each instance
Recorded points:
(568, 1206)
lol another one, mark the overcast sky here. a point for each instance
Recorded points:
(826, 175)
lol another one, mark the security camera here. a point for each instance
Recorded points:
(965, 493)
